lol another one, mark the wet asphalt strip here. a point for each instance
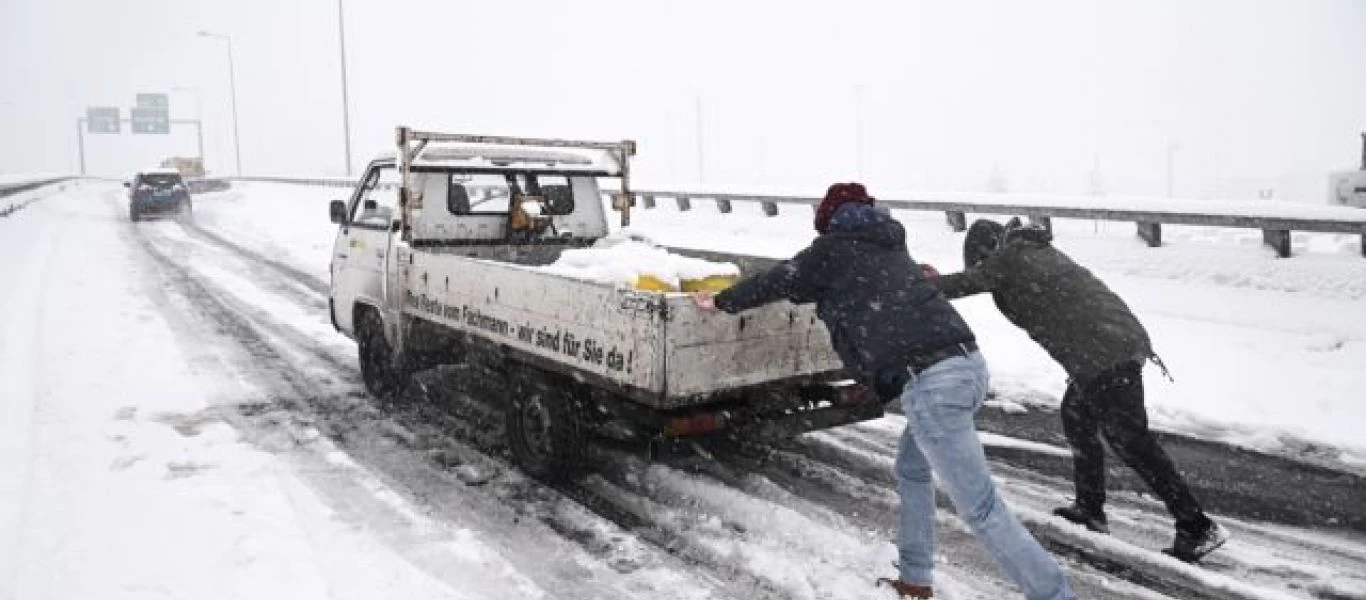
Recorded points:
(1227, 479)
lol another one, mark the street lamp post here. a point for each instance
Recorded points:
(80, 142)
(346, 104)
(232, 85)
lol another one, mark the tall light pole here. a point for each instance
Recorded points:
(346, 104)
(232, 85)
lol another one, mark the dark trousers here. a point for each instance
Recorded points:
(1111, 405)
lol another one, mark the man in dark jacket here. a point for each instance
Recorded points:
(896, 333)
(1092, 333)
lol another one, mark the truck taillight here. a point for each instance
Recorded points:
(695, 424)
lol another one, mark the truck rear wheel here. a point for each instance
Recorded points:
(378, 369)
(545, 430)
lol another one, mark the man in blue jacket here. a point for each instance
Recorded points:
(898, 334)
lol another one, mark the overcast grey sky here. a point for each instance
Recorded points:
(1253, 93)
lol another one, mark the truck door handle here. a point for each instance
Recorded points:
(341, 255)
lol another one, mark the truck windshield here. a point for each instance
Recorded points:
(479, 193)
(492, 193)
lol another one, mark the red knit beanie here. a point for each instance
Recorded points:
(838, 195)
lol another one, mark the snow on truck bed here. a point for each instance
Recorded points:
(620, 260)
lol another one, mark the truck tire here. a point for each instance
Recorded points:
(133, 214)
(378, 368)
(545, 430)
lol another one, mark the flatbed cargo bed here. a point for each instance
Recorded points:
(656, 348)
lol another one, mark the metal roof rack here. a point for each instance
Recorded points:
(411, 144)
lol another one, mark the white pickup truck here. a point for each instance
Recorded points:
(437, 261)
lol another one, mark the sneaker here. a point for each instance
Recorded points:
(1193, 547)
(908, 590)
(1095, 521)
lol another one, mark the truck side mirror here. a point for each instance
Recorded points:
(127, 184)
(337, 210)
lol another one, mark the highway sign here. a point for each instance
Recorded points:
(102, 119)
(152, 114)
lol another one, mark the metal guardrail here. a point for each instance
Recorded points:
(346, 182)
(15, 188)
(338, 182)
(1275, 228)
(7, 190)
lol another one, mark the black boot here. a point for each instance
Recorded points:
(1191, 547)
(1093, 520)
(908, 590)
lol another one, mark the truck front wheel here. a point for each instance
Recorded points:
(545, 430)
(378, 368)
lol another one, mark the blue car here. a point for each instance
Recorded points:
(158, 193)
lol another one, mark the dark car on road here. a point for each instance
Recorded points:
(158, 193)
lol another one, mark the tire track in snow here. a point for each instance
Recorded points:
(623, 509)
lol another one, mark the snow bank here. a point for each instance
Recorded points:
(282, 221)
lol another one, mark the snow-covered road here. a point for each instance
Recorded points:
(178, 419)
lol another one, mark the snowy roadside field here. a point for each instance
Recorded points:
(180, 420)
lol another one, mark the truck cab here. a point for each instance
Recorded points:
(494, 201)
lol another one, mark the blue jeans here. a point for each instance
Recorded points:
(940, 438)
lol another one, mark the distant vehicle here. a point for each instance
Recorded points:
(158, 191)
(1348, 188)
(188, 167)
